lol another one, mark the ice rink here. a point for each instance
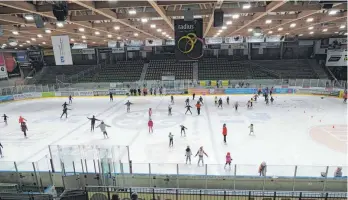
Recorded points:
(296, 130)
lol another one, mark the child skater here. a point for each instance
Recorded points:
(228, 160)
(220, 103)
(251, 127)
(169, 110)
(272, 100)
(188, 107)
(267, 100)
(236, 106)
(224, 132)
(70, 99)
(193, 96)
(102, 127)
(170, 140)
(5, 118)
(172, 99)
(216, 101)
(93, 120)
(188, 154)
(65, 105)
(187, 101)
(24, 129)
(65, 111)
(128, 103)
(111, 96)
(201, 100)
(198, 106)
(21, 119)
(182, 129)
(200, 154)
(228, 100)
(150, 112)
(1, 147)
(150, 125)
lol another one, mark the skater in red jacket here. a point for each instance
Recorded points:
(224, 132)
(150, 124)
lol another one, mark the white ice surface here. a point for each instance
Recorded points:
(281, 134)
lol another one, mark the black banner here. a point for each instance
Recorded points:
(188, 39)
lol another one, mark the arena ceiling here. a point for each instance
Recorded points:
(96, 22)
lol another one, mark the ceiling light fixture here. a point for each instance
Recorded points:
(109, 36)
(280, 29)
(220, 31)
(228, 22)
(268, 21)
(60, 24)
(270, 32)
(28, 41)
(83, 37)
(39, 35)
(144, 20)
(97, 33)
(84, 41)
(159, 30)
(246, 6)
(250, 29)
(310, 28)
(132, 12)
(29, 17)
(163, 33)
(325, 30)
(224, 28)
(235, 16)
(15, 32)
(48, 31)
(21, 45)
(153, 25)
(33, 39)
(333, 12)
(118, 38)
(292, 25)
(336, 32)
(81, 29)
(310, 19)
(43, 42)
(72, 39)
(117, 28)
(300, 35)
(342, 26)
(136, 34)
(311, 32)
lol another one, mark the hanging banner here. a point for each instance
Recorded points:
(153, 42)
(79, 46)
(118, 50)
(170, 42)
(213, 40)
(115, 44)
(273, 38)
(234, 39)
(21, 57)
(61, 49)
(3, 71)
(235, 46)
(133, 48)
(188, 39)
(48, 52)
(252, 39)
(336, 57)
(2, 60)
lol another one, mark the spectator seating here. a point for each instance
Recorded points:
(122, 71)
(159, 68)
(221, 69)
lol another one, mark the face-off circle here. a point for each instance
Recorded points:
(139, 119)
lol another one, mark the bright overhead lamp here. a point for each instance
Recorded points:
(82, 29)
(270, 32)
(310, 28)
(153, 25)
(118, 38)
(268, 21)
(43, 42)
(60, 24)
(300, 35)
(15, 32)
(117, 28)
(311, 32)
(97, 33)
(228, 22)
(33, 39)
(292, 25)
(333, 12)
(342, 26)
(325, 30)
(224, 28)
(220, 31)
(310, 19)
(280, 29)
(144, 20)
(28, 41)
(235, 16)
(84, 41)
(159, 30)
(132, 12)
(170, 37)
(250, 29)
(287, 33)
(83, 37)
(39, 35)
(48, 31)
(136, 34)
(163, 33)
(336, 32)
(21, 45)
(246, 6)
(72, 39)
(93, 42)
(109, 36)
(29, 17)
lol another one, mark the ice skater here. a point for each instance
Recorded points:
(21, 119)
(111, 97)
(220, 103)
(150, 112)
(102, 127)
(188, 154)
(193, 96)
(188, 108)
(172, 99)
(267, 100)
(24, 129)
(249, 104)
(263, 169)
(182, 130)
(272, 100)
(224, 132)
(228, 161)
(150, 125)
(128, 103)
(171, 144)
(187, 101)
(236, 104)
(169, 110)
(93, 120)
(200, 154)
(201, 100)
(216, 101)
(255, 97)
(271, 91)
(1, 147)
(251, 127)
(198, 106)
(65, 111)
(5, 118)
(70, 99)
(228, 100)
(65, 105)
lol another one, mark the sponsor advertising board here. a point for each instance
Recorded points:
(318, 92)
(198, 91)
(48, 94)
(6, 98)
(173, 91)
(30, 95)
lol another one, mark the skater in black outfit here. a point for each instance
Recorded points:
(272, 99)
(111, 96)
(193, 96)
(93, 120)
(188, 154)
(220, 103)
(201, 100)
(172, 99)
(182, 128)
(188, 107)
(128, 103)
(251, 102)
(1, 147)
(70, 99)
(139, 92)
(24, 128)
(236, 106)
(170, 140)
(65, 111)
(267, 100)
(65, 105)
(187, 101)
(5, 118)
(169, 110)
(228, 100)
